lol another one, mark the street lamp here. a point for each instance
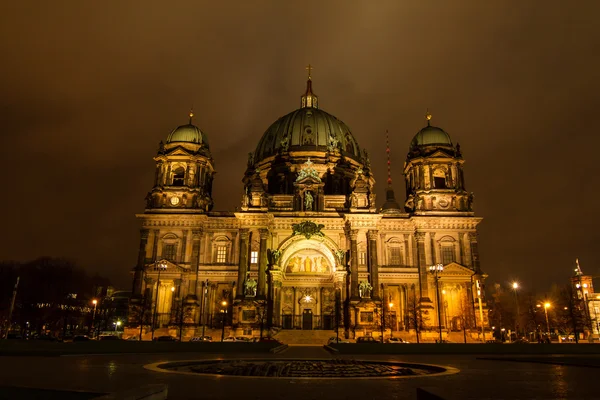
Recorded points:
(223, 313)
(390, 306)
(515, 286)
(94, 302)
(117, 325)
(546, 307)
(160, 266)
(435, 270)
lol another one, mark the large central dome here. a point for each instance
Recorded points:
(307, 129)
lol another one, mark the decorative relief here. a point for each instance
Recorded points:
(308, 229)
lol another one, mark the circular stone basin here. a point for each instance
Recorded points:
(274, 368)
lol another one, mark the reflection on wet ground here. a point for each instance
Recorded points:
(477, 379)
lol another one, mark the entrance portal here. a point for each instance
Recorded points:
(286, 321)
(307, 319)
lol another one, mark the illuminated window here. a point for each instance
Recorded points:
(447, 254)
(254, 257)
(221, 254)
(395, 256)
(362, 258)
(366, 317)
(169, 251)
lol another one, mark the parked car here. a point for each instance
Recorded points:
(48, 338)
(201, 339)
(13, 335)
(521, 340)
(229, 339)
(81, 338)
(366, 339)
(334, 340)
(242, 339)
(166, 339)
(396, 340)
(109, 337)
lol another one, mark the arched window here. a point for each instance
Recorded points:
(439, 179)
(395, 251)
(179, 176)
(447, 250)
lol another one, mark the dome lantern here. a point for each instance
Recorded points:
(309, 99)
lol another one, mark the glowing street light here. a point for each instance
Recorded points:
(117, 325)
(435, 270)
(224, 314)
(515, 286)
(94, 302)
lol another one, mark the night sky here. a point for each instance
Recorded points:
(88, 89)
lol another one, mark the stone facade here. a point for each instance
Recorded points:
(308, 248)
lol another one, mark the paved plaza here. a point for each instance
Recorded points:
(479, 377)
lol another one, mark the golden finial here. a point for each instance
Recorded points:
(309, 68)
(191, 115)
(428, 116)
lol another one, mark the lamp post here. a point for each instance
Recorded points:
(390, 306)
(479, 294)
(515, 286)
(546, 307)
(224, 314)
(202, 317)
(160, 266)
(435, 270)
(94, 302)
(117, 325)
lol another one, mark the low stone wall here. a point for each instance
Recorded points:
(148, 392)
(41, 348)
(465, 348)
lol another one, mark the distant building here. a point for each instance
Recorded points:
(308, 247)
(589, 300)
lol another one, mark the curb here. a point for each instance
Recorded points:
(278, 349)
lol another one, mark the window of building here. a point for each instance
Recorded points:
(366, 317)
(249, 315)
(439, 182)
(254, 257)
(395, 256)
(447, 254)
(362, 258)
(222, 254)
(179, 177)
(170, 251)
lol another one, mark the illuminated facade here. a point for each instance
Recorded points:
(308, 248)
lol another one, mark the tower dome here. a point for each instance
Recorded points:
(431, 136)
(188, 133)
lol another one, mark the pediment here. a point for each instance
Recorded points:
(440, 154)
(309, 180)
(455, 269)
(171, 266)
(179, 151)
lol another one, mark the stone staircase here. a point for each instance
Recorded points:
(304, 337)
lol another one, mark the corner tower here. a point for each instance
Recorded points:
(434, 175)
(184, 173)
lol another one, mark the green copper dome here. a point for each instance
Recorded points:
(431, 136)
(188, 133)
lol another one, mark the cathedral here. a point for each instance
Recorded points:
(308, 248)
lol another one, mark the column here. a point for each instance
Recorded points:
(474, 252)
(373, 264)
(155, 233)
(140, 266)
(423, 267)
(182, 257)
(353, 265)
(262, 263)
(243, 265)
(435, 256)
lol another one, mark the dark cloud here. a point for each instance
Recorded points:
(89, 89)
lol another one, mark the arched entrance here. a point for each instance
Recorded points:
(310, 274)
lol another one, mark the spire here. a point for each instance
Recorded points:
(428, 117)
(578, 269)
(389, 163)
(191, 114)
(309, 99)
(390, 206)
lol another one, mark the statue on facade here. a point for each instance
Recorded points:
(250, 287)
(250, 159)
(285, 143)
(308, 171)
(470, 201)
(273, 256)
(332, 143)
(308, 201)
(364, 289)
